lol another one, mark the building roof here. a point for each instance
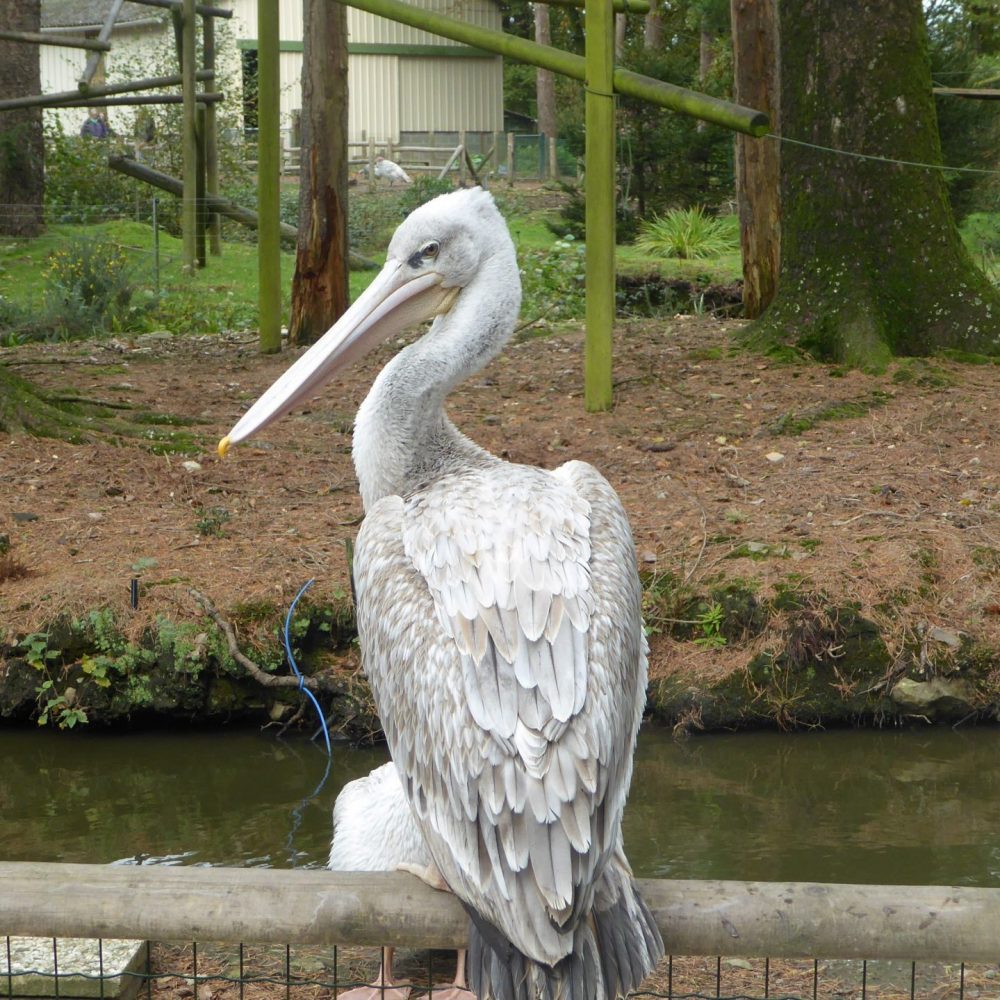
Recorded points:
(88, 13)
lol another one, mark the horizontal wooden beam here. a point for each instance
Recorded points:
(128, 100)
(973, 93)
(69, 96)
(261, 905)
(67, 41)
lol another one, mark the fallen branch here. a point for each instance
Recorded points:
(261, 676)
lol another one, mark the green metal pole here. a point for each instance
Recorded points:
(268, 178)
(189, 200)
(599, 119)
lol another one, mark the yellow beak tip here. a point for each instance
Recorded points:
(224, 446)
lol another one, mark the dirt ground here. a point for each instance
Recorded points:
(877, 489)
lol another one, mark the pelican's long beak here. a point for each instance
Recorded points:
(395, 300)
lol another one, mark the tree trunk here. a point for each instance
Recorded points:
(621, 24)
(652, 27)
(871, 261)
(320, 285)
(755, 72)
(22, 149)
(545, 81)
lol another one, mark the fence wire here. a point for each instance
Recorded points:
(72, 969)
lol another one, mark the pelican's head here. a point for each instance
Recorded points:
(435, 253)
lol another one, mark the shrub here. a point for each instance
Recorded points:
(687, 233)
(552, 281)
(88, 288)
(79, 184)
(423, 189)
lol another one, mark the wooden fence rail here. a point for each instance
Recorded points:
(256, 905)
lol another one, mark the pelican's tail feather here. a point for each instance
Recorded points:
(614, 949)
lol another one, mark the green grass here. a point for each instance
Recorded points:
(223, 296)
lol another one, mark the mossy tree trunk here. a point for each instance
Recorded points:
(320, 285)
(22, 150)
(872, 265)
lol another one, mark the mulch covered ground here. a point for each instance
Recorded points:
(878, 489)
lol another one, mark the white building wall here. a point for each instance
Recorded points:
(447, 95)
(373, 98)
(134, 53)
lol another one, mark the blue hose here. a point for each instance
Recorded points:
(298, 673)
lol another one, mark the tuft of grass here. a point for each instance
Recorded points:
(688, 233)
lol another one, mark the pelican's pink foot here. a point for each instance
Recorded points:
(458, 989)
(383, 988)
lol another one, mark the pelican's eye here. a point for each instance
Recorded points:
(427, 252)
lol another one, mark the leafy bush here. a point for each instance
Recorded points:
(687, 233)
(552, 281)
(423, 189)
(79, 184)
(88, 288)
(571, 220)
(371, 221)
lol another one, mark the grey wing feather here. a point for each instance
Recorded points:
(499, 614)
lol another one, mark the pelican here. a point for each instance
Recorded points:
(498, 609)
(391, 171)
(374, 830)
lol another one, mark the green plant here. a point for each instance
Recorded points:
(36, 652)
(210, 520)
(710, 624)
(67, 714)
(423, 189)
(687, 233)
(552, 281)
(88, 287)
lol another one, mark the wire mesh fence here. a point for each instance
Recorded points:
(121, 970)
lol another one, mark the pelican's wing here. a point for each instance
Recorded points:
(499, 614)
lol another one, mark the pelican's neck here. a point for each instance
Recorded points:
(402, 438)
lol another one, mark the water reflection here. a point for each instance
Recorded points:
(913, 807)
(899, 807)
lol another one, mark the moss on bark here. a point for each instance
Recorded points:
(872, 263)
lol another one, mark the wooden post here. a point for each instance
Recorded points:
(553, 159)
(104, 35)
(461, 159)
(497, 139)
(189, 203)
(211, 140)
(371, 165)
(201, 210)
(755, 78)
(599, 115)
(510, 159)
(268, 177)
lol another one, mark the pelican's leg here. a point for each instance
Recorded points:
(458, 990)
(383, 988)
(426, 873)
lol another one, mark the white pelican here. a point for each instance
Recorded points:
(498, 609)
(391, 171)
(374, 830)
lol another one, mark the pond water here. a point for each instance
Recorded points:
(917, 806)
